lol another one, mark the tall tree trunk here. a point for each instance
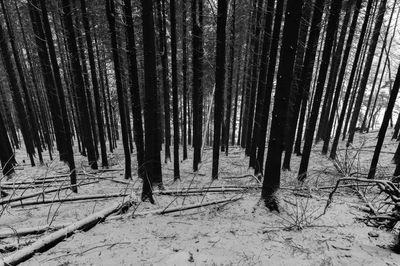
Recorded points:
(272, 172)
(78, 81)
(95, 84)
(367, 69)
(339, 85)
(197, 61)
(165, 80)
(219, 82)
(296, 92)
(228, 111)
(110, 9)
(262, 82)
(384, 125)
(29, 106)
(175, 111)
(16, 96)
(151, 117)
(333, 23)
(134, 85)
(184, 81)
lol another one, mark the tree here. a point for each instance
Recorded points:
(227, 122)
(23, 84)
(162, 28)
(134, 85)
(219, 82)
(7, 156)
(273, 54)
(99, 117)
(367, 69)
(78, 81)
(351, 80)
(184, 82)
(151, 118)
(110, 9)
(69, 153)
(261, 88)
(307, 70)
(333, 22)
(197, 92)
(382, 132)
(285, 75)
(17, 97)
(175, 111)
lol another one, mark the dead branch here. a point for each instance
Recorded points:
(77, 198)
(54, 238)
(6, 201)
(184, 208)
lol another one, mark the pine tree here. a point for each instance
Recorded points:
(110, 9)
(151, 117)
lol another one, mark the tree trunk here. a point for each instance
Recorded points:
(151, 117)
(110, 8)
(219, 82)
(197, 61)
(134, 85)
(333, 23)
(285, 76)
(384, 125)
(175, 111)
(99, 117)
(78, 81)
(367, 69)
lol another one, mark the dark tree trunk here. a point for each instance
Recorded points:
(219, 82)
(99, 117)
(184, 81)
(110, 8)
(151, 117)
(326, 120)
(307, 70)
(253, 76)
(175, 111)
(367, 69)
(339, 85)
(228, 111)
(332, 95)
(134, 85)
(27, 96)
(364, 123)
(16, 96)
(7, 157)
(197, 102)
(78, 82)
(384, 126)
(333, 22)
(262, 82)
(296, 92)
(165, 81)
(284, 79)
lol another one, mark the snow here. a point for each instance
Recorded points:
(238, 233)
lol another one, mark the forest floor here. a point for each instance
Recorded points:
(242, 232)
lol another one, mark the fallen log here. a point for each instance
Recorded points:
(52, 239)
(18, 232)
(187, 207)
(196, 191)
(77, 198)
(9, 200)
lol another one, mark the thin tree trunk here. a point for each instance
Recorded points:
(110, 8)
